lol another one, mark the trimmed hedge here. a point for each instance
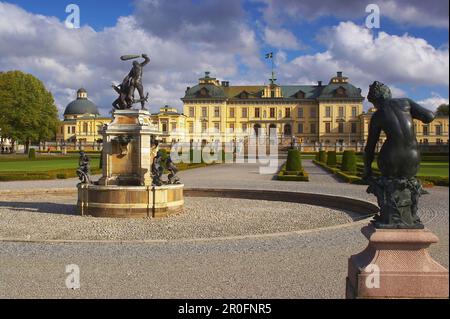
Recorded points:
(345, 176)
(435, 180)
(292, 176)
(349, 162)
(294, 161)
(323, 156)
(32, 154)
(48, 175)
(434, 158)
(331, 158)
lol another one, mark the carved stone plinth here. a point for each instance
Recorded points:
(129, 201)
(125, 190)
(127, 158)
(400, 259)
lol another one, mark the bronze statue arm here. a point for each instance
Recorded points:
(116, 88)
(420, 113)
(146, 60)
(372, 140)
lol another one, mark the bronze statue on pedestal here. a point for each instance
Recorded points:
(397, 189)
(131, 83)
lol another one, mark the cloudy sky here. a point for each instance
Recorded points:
(311, 40)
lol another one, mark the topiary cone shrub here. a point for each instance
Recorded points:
(32, 154)
(349, 162)
(294, 161)
(322, 156)
(331, 158)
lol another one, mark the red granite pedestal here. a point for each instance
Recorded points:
(396, 264)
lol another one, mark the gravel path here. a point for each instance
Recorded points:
(24, 219)
(302, 265)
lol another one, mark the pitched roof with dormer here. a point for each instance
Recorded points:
(210, 88)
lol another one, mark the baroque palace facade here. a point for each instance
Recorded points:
(82, 122)
(321, 115)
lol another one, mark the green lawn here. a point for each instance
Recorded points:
(433, 169)
(20, 163)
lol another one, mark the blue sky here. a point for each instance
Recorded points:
(312, 40)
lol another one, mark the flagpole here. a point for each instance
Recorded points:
(273, 75)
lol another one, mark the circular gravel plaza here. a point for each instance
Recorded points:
(26, 218)
(218, 248)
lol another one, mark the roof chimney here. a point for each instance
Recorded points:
(339, 74)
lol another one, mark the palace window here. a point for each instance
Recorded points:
(257, 112)
(272, 112)
(164, 127)
(300, 112)
(231, 127)
(287, 111)
(173, 126)
(354, 127)
(341, 111)
(191, 127)
(300, 128)
(204, 127)
(204, 112)
(425, 130)
(217, 127)
(341, 127)
(244, 112)
(438, 129)
(328, 111)
(217, 111)
(68, 129)
(244, 127)
(232, 112)
(85, 128)
(73, 129)
(312, 128)
(354, 111)
(192, 112)
(328, 127)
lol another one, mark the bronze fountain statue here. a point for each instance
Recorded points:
(397, 189)
(131, 83)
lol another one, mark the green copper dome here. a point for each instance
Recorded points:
(82, 105)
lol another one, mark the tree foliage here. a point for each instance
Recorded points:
(27, 110)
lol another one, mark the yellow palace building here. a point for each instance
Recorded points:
(82, 121)
(320, 114)
(325, 113)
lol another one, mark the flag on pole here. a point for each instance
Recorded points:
(269, 55)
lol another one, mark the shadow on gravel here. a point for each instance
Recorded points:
(47, 208)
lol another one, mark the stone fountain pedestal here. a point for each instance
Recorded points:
(125, 188)
(396, 264)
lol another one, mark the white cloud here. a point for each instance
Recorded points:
(281, 39)
(395, 60)
(432, 13)
(433, 101)
(66, 59)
